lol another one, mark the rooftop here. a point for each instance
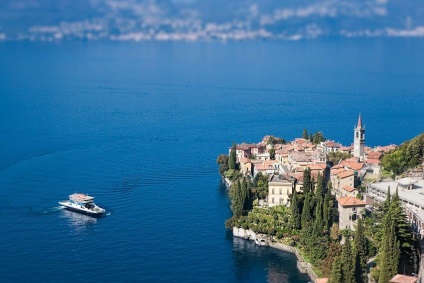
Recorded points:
(346, 174)
(281, 179)
(414, 196)
(399, 278)
(350, 201)
(349, 189)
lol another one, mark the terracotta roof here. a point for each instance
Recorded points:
(345, 174)
(336, 171)
(338, 166)
(355, 165)
(243, 146)
(374, 155)
(259, 167)
(399, 278)
(321, 166)
(349, 189)
(332, 144)
(321, 280)
(245, 160)
(270, 162)
(350, 201)
(373, 161)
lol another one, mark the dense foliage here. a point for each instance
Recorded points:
(408, 155)
(276, 140)
(222, 160)
(335, 157)
(315, 138)
(233, 157)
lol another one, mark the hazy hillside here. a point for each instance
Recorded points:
(207, 19)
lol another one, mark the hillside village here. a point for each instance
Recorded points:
(352, 174)
(291, 159)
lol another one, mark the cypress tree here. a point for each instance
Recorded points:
(348, 264)
(294, 207)
(237, 199)
(361, 252)
(389, 250)
(233, 158)
(402, 229)
(306, 212)
(305, 134)
(307, 180)
(336, 275)
(318, 224)
(312, 184)
(326, 210)
(386, 203)
(319, 191)
(246, 194)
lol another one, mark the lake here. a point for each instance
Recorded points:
(139, 126)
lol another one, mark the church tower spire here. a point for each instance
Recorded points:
(359, 140)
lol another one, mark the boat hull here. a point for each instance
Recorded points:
(82, 210)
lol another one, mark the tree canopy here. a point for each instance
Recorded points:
(408, 155)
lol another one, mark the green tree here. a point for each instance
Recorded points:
(361, 252)
(335, 157)
(305, 134)
(306, 212)
(319, 191)
(348, 263)
(336, 275)
(389, 253)
(272, 154)
(222, 160)
(402, 229)
(260, 186)
(318, 137)
(295, 211)
(307, 184)
(237, 199)
(408, 155)
(318, 224)
(326, 210)
(233, 158)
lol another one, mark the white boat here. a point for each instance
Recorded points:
(82, 203)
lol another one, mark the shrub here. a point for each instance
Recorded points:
(280, 234)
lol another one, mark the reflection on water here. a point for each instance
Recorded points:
(280, 266)
(77, 220)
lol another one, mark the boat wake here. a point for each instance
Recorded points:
(49, 210)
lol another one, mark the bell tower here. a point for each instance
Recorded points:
(359, 140)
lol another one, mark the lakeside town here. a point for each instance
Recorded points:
(349, 213)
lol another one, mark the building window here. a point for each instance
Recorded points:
(281, 200)
(273, 193)
(272, 200)
(280, 192)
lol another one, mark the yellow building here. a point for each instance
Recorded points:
(279, 189)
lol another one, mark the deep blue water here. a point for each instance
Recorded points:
(139, 126)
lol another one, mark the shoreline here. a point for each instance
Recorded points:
(263, 240)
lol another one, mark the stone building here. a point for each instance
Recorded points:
(350, 210)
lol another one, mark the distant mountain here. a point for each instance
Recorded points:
(47, 20)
